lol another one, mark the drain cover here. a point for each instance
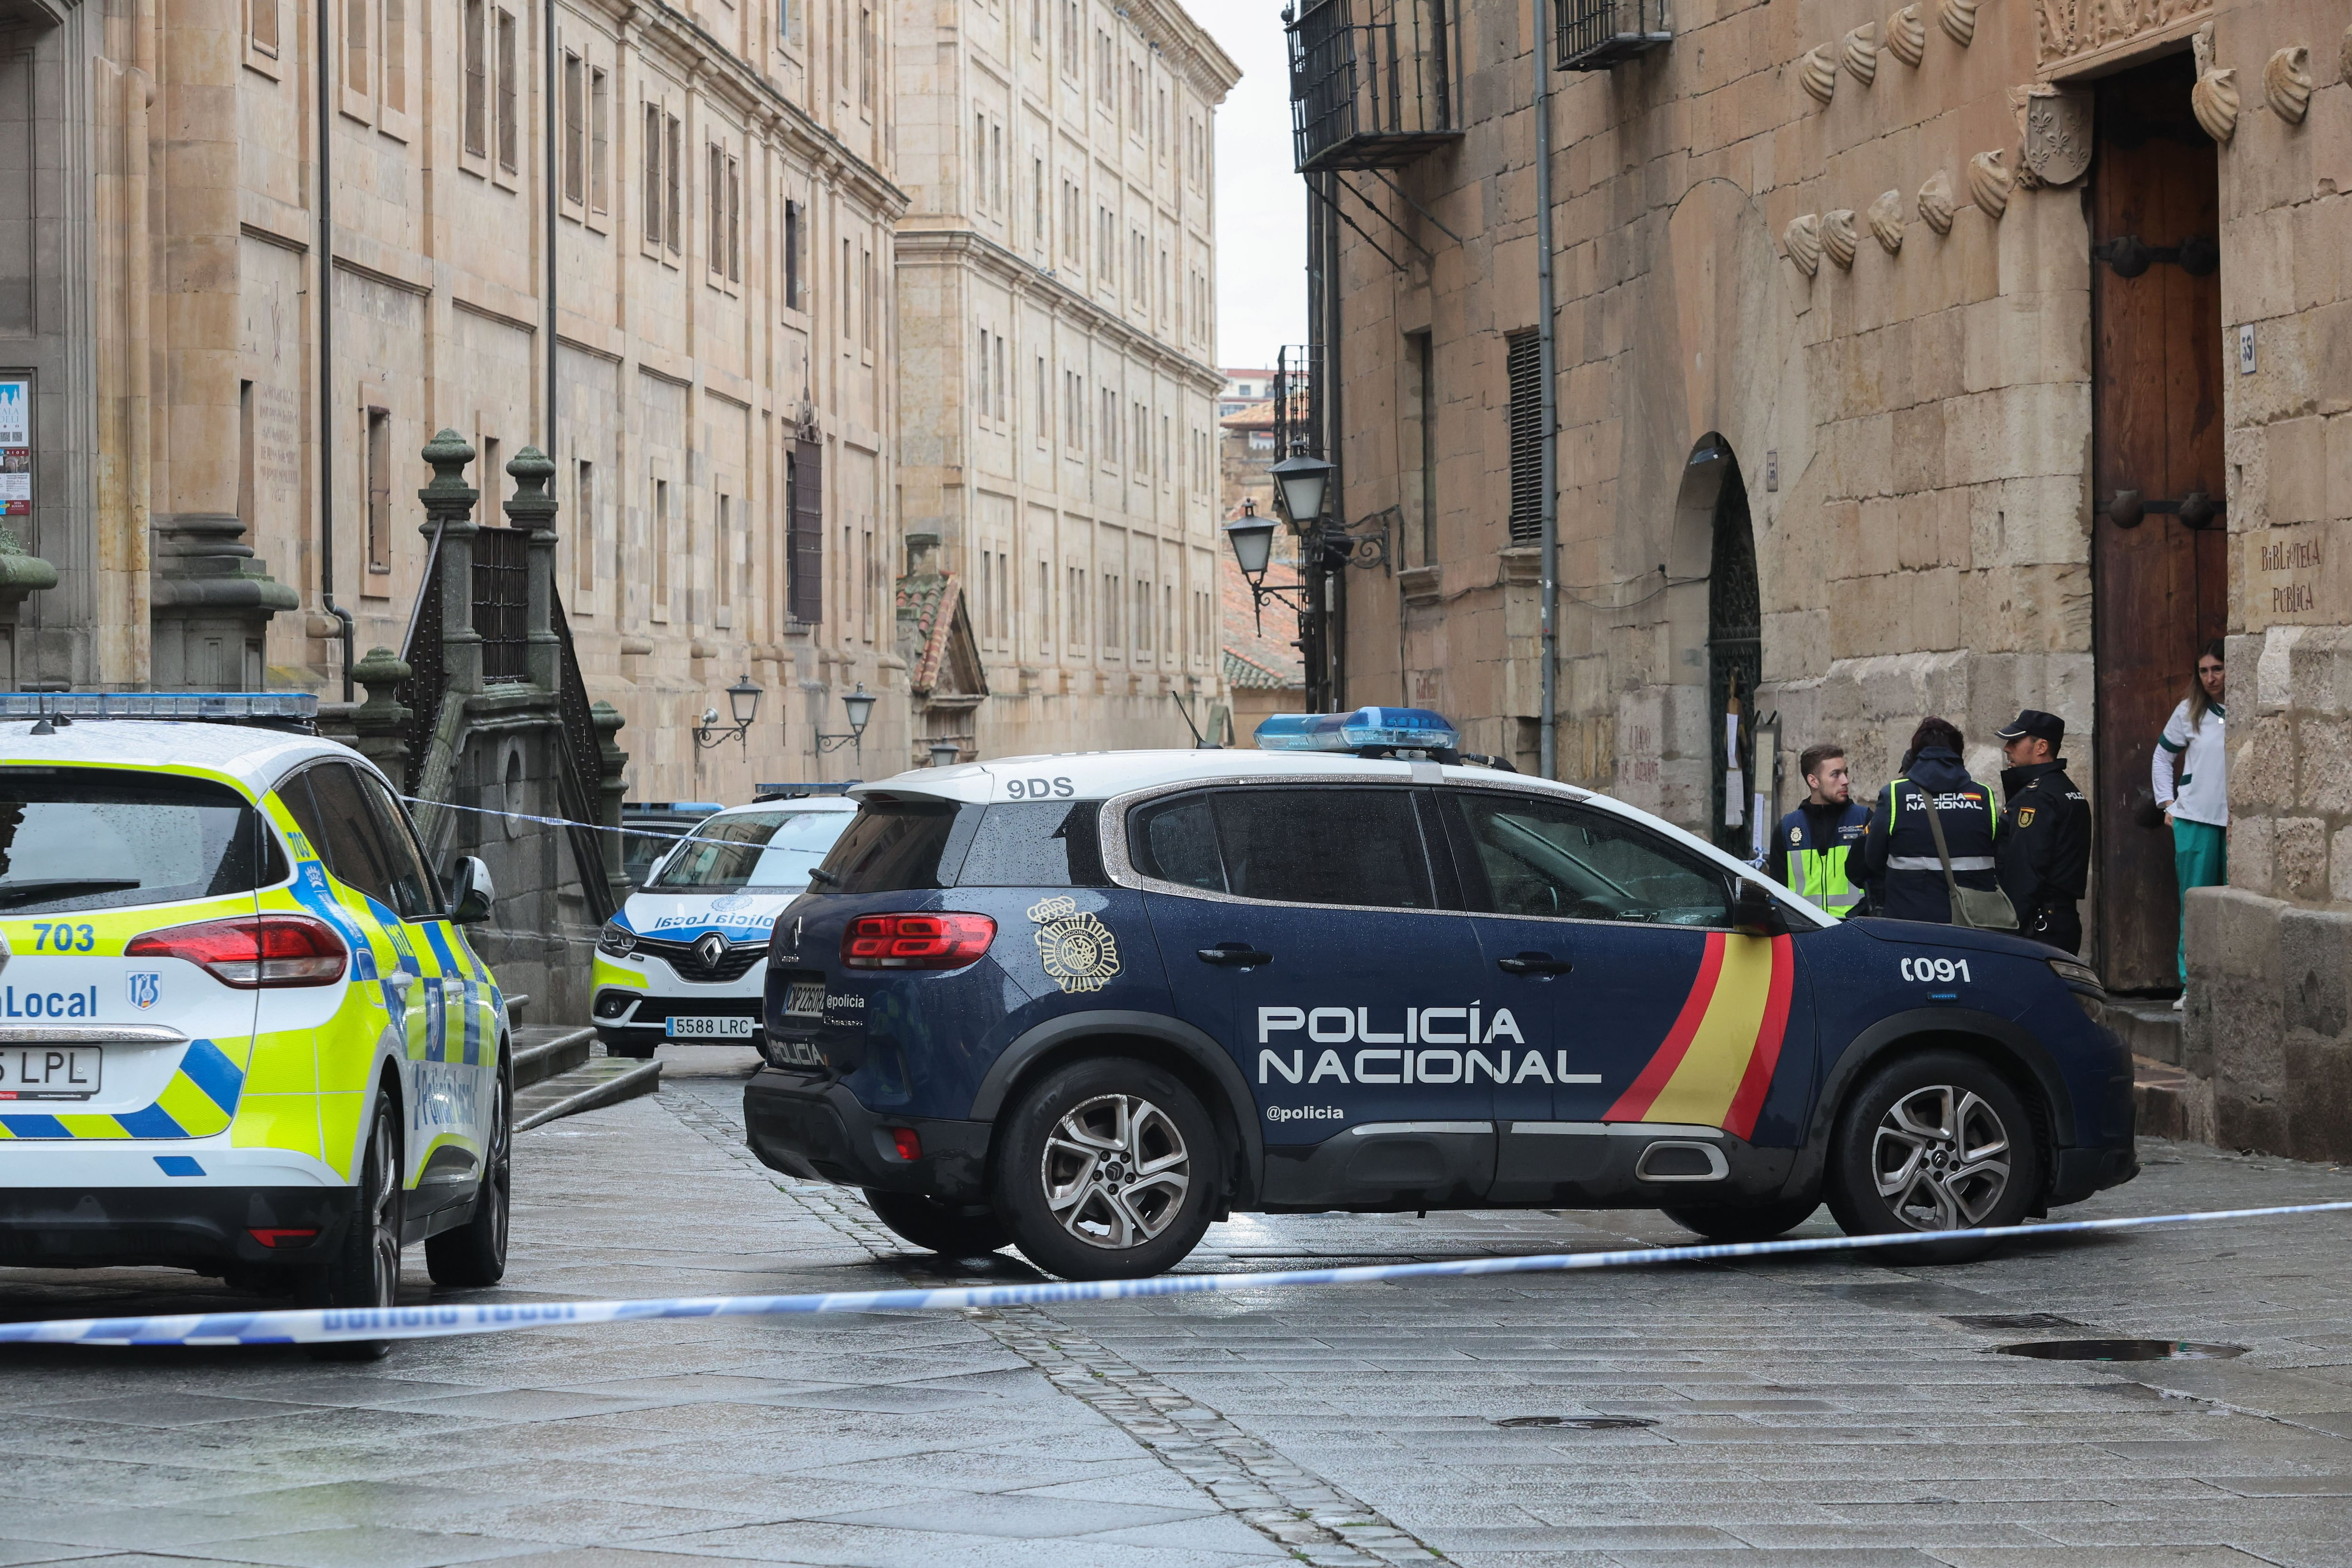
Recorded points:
(2122, 1349)
(1579, 1423)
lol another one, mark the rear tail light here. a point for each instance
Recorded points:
(906, 1142)
(916, 941)
(252, 952)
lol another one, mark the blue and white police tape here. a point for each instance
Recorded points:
(664, 834)
(326, 1326)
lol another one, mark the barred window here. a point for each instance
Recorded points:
(1523, 366)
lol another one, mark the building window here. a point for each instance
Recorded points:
(674, 183)
(355, 47)
(1522, 364)
(509, 117)
(379, 489)
(714, 245)
(583, 529)
(792, 256)
(724, 570)
(478, 99)
(865, 57)
(575, 130)
(1037, 222)
(804, 531)
(661, 550)
(600, 139)
(264, 19)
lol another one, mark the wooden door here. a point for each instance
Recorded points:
(2159, 588)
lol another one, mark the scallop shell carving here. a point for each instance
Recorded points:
(1906, 37)
(1936, 203)
(1803, 240)
(1860, 51)
(1838, 237)
(1990, 183)
(2214, 99)
(1958, 20)
(1885, 215)
(2286, 82)
(1818, 71)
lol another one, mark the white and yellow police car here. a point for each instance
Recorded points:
(241, 1030)
(684, 958)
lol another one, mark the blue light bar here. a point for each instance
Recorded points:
(159, 705)
(1403, 729)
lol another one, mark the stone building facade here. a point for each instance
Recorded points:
(1951, 361)
(1057, 390)
(690, 205)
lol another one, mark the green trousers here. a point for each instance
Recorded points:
(2200, 854)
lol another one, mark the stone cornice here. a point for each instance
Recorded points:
(1185, 43)
(943, 246)
(718, 72)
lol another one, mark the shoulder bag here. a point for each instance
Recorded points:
(1978, 909)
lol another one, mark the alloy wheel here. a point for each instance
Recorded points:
(1114, 1171)
(1941, 1158)
(383, 1214)
(499, 1189)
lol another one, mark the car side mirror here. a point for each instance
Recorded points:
(1755, 911)
(471, 893)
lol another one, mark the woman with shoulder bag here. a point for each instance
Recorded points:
(2191, 772)
(1929, 855)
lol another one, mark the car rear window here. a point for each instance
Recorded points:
(768, 851)
(907, 845)
(897, 845)
(93, 838)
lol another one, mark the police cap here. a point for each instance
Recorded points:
(2034, 721)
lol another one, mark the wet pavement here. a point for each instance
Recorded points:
(1816, 1410)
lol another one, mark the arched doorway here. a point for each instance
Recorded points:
(1734, 649)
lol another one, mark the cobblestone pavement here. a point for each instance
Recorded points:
(1821, 1410)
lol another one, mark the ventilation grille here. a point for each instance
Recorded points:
(1524, 364)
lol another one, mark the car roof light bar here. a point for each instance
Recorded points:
(1365, 731)
(214, 705)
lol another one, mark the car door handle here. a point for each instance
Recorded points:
(1239, 952)
(400, 980)
(1533, 963)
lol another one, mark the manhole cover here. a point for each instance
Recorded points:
(2122, 1349)
(1579, 1423)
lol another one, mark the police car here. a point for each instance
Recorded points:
(241, 1030)
(1090, 1003)
(682, 958)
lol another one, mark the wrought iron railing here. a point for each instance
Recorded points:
(428, 673)
(1373, 94)
(502, 603)
(1298, 404)
(584, 767)
(1597, 34)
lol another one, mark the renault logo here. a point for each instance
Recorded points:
(710, 949)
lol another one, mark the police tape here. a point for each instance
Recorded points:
(329, 1326)
(666, 835)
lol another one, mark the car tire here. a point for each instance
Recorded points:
(1760, 1222)
(475, 1253)
(1934, 1140)
(364, 1269)
(951, 1230)
(635, 1050)
(1108, 1169)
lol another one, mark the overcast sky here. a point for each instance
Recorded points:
(1261, 201)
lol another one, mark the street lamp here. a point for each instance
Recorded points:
(945, 753)
(860, 707)
(1252, 537)
(1299, 483)
(743, 702)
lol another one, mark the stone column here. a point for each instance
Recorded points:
(611, 788)
(449, 511)
(532, 510)
(381, 723)
(210, 603)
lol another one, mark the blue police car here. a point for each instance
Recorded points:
(1087, 1003)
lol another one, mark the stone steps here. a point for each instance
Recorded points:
(598, 1081)
(543, 1050)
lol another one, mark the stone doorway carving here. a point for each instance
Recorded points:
(2160, 563)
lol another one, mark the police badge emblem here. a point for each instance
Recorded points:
(146, 986)
(1078, 950)
(2025, 817)
(1796, 835)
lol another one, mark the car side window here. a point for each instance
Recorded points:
(417, 893)
(1309, 846)
(1175, 840)
(1555, 857)
(1035, 844)
(341, 827)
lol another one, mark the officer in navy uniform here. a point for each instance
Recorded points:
(1898, 852)
(2045, 833)
(1812, 850)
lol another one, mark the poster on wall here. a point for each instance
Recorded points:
(16, 447)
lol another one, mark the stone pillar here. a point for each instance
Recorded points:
(381, 723)
(532, 510)
(611, 788)
(449, 511)
(211, 605)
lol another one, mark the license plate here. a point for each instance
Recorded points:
(805, 999)
(50, 1072)
(710, 1028)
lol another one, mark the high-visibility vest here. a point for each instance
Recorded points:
(1818, 872)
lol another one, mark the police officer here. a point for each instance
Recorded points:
(1811, 849)
(1898, 852)
(2045, 832)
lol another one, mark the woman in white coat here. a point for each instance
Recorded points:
(2192, 786)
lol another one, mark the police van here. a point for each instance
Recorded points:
(1089, 1004)
(682, 960)
(241, 1030)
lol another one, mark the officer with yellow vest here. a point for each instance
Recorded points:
(1811, 850)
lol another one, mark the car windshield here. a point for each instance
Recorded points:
(93, 838)
(765, 849)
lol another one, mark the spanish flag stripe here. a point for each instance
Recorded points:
(1633, 1105)
(1741, 1122)
(1699, 1093)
